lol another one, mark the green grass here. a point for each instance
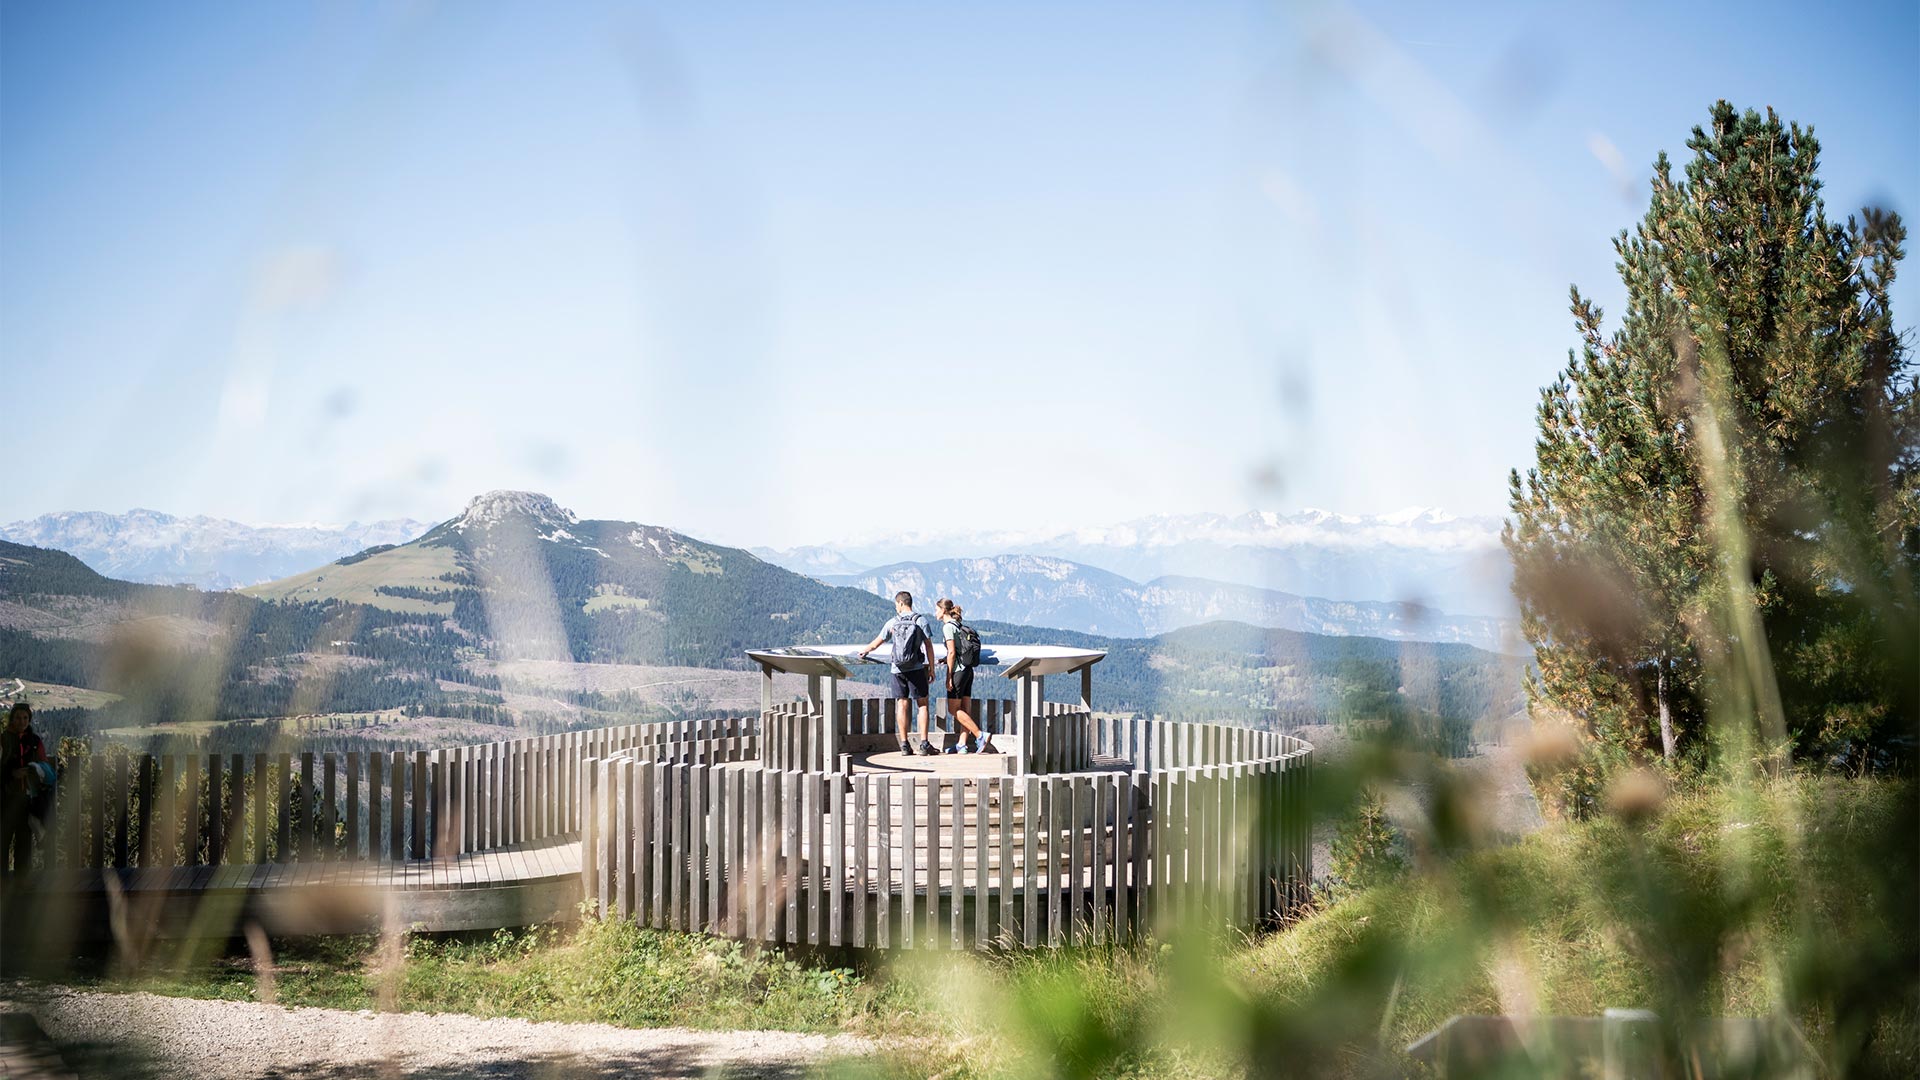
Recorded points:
(1795, 900)
(358, 583)
(43, 695)
(613, 973)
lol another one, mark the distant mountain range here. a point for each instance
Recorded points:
(517, 577)
(1418, 574)
(1041, 590)
(211, 553)
(1423, 556)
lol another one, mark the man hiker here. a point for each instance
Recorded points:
(913, 663)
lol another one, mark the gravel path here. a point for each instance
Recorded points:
(124, 1036)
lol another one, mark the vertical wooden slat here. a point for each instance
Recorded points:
(594, 867)
(283, 811)
(168, 825)
(120, 821)
(421, 801)
(397, 806)
(634, 794)
(329, 806)
(1127, 851)
(617, 851)
(934, 859)
(696, 848)
(96, 830)
(1102, 864)
(1032, 815)
(376, 779)
(1157, 897)
(676, 833)
(753, 902)
(982, 928)
(1060, 808)
(660, 840)
(773, 806)
(1085, 825)
(883, 904)
(440, 830)
(736, 883)
(791, 867)
(262, 806)
(353, 850)
(191, 842)
(217, 811)
(956, 893)
(1008, 931)
(625, 819)
(716, 863)
(144, 817)
(909, 856)
(235, 849)
(814, 792)
(304, 800)
(833, 786)
(861, 790)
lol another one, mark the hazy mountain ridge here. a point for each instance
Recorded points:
(1419, 555)
(1047, 591)
(150, 547)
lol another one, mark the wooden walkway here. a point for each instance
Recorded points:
(516, 886)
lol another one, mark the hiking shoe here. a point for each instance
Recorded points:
(907, 749)
(926, 749)
(954, 748)
(986, 744)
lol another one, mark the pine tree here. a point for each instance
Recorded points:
(1723, 516)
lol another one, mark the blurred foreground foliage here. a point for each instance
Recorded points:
(1713, 903)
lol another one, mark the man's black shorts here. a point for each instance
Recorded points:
(961, 685)
(910, 684)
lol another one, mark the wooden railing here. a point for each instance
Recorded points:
(115, 808)
(885, 860)
(793, 735)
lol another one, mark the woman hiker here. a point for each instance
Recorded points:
(963, 651)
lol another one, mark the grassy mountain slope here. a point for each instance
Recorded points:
(525, 579)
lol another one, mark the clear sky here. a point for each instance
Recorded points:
(720, 266)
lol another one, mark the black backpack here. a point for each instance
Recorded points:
(968, 653)
(909, 642)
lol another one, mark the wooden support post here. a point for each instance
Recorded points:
(830, 724)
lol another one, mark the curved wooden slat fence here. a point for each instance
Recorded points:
(1175, 823)
(695, 825)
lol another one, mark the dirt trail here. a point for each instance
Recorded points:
(125, 1036)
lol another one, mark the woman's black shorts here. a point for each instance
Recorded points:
(962, 685)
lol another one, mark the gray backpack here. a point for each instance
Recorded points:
(909, 640)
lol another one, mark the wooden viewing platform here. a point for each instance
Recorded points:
(801, 825)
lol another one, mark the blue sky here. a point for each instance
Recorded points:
(715, 265)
